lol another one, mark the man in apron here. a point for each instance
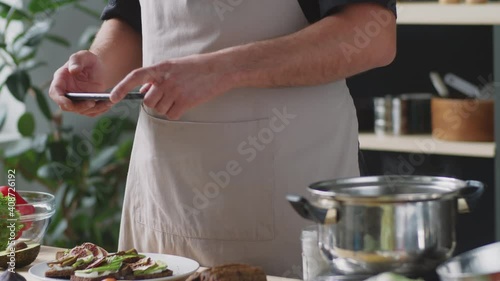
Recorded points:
(245, 102)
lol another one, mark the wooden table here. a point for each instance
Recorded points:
(48, 253)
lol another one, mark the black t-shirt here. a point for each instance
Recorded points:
(314, 10)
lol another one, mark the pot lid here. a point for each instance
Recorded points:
(388, 188)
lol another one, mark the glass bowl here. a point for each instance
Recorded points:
(35, 219)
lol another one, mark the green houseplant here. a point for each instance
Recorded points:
(85, 170)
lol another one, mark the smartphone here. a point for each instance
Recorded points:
(101, 96)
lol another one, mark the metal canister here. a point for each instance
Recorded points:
(403, 114)
(383, 115)
(416, 112)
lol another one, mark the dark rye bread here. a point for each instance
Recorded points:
(99, 278)
(125, 274)
(230, 272)
(63, 273)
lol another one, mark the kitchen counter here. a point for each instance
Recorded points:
(48, 253)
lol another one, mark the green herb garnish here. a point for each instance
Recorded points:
(9, 221)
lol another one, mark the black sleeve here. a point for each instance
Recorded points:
(126, 10)
(318, 9)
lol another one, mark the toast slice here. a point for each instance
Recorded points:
(89, 262)
(60, 272)
(68, 261)
(147, 268)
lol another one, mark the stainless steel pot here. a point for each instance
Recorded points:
(404, 224)
(479, 264)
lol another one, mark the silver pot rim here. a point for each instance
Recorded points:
(389, 188)
(444, 269)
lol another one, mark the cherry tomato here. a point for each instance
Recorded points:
(495, 276)
(6, 190)
(23, 210)
(109, 279)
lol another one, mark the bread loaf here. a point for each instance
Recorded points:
(230, 272)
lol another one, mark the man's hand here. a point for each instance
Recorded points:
(82, 73)
(326, 51)
(172, 87)
(116, 51)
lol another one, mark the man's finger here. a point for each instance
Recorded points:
(99, 108)
(152, 97)
(56, 91)
(145, 88)
(175, 112)
(135, 78)
(79, 106)
(164, 105)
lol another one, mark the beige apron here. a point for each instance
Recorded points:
(212, 186)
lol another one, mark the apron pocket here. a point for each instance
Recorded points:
(205, 180)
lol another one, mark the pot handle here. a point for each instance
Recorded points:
(308, 211)
(469, 196)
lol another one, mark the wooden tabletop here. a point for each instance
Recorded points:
(48, 253)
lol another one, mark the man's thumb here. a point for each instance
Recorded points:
(74, 67)
(78, 61)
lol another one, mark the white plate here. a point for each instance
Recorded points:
(181, 266)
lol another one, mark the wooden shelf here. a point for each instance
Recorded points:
(426, 144)
(434, 13)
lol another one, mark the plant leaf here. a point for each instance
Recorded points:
(28, 162)
(30, 38)
(125, 149)
(17, 148)
(32, 64)
(88, 11)
(25, 54)
(26, 124)
(36, 33)
(42, 103)
(87, 37)
(102, 159)
(15, 14)
(111, 129)
(18, 84)
(3, 116)
(79, 151)
(59, 40)
(57, 151)
(2, 66)
(54, 171)
(39, 6)
(40, 143)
